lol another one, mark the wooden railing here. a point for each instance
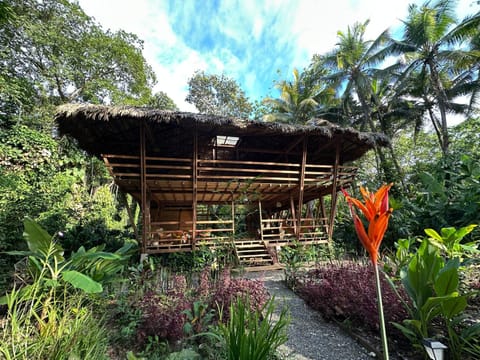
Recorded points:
(164, 168)
(208, 232)
(211, 232)
(282, 231)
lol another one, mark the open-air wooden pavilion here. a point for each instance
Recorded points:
(182, 166)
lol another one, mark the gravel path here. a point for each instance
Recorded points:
(309, 336)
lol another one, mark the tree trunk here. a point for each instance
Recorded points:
(441, 101)
(387, 173)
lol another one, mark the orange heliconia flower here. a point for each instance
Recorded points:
(376, 211)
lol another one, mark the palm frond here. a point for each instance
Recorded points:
(466, 29)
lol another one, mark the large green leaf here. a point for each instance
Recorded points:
(81, 281)
(418, 277)
(446, 282)
(453, 306)
(36, 237)
(39, 241)
(434, 235)
(431, 309)
(463, 231)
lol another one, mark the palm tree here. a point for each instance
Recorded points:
(432, 45)
(298, 100)
(352, 66)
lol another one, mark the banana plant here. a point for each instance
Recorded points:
(83, 270)
(46, 261)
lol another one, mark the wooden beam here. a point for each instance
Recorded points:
(333, 207)
(321, 208)
(292, 209)
(143, 189)
(261, 163)
(301, 186)
(261, 220)
(109, 166)
(194, 187)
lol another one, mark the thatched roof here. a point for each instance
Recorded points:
(115, 130)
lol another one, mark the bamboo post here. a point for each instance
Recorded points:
(322, 212)
(333, 205)
(292, 209)
(143, 189)
(261, 219)
(194, 187)
(301, 188)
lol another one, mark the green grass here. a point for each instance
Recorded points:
(51, 326)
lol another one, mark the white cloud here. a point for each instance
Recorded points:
(247, 40)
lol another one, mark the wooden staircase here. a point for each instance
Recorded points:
(252, 253)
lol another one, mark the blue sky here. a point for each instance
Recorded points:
(254, 42)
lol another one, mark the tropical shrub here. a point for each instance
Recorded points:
(189, 308)
(47, 180)
(48, 267)
(449, 194)
(432, 283)
(228, 290)
(253, 335)
(449, 241)
(163, 316)
(48, 317)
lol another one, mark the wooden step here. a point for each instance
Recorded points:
(246, 246)
(252, 253)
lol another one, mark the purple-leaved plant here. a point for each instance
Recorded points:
(164, 313)
(347, 291)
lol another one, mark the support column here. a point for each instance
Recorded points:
(333, 207)
(292, 209)
(321, 212)
(261, 218)
(194, 187)
(301, 188)
(143, 188)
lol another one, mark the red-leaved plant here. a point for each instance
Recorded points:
(346, 291)
(164, 314)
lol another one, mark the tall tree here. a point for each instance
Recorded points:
(51, 52)
(433, 45)
(53, 49)
(161, 100)
(298, 99)
(352, 66)
(217, 95)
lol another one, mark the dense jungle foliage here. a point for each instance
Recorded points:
(80, 230)
(435, 167)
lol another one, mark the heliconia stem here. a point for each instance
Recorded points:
(383, 332)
